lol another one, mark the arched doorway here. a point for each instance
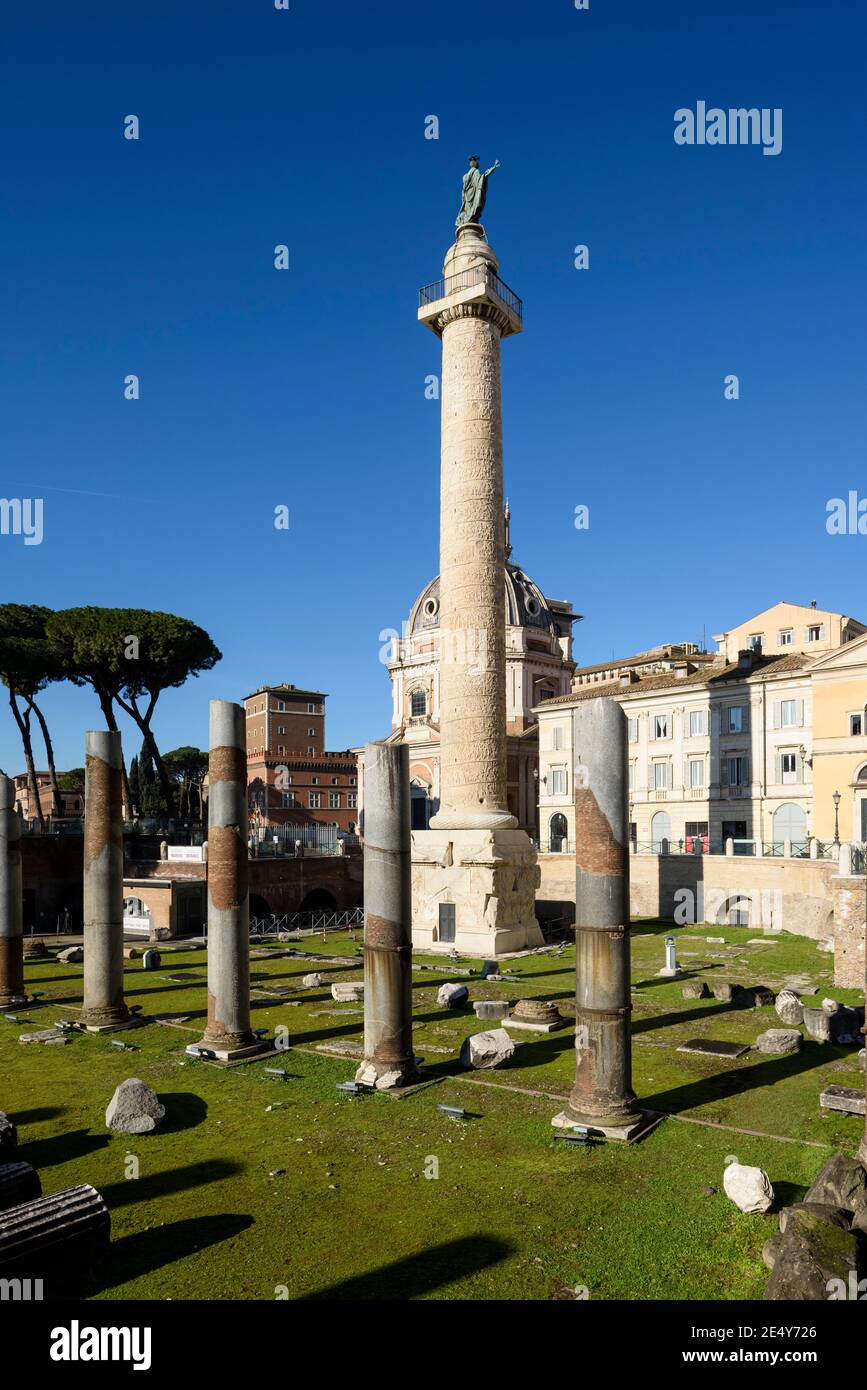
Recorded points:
(558, 833)
(318, 900)
(258, 906)
(660, 832)
(790, 823)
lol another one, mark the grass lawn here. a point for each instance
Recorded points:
(258, 1188)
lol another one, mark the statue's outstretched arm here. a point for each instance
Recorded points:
(495, 165)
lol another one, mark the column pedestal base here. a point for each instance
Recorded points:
(625, 1131)
(119, 1026)
(387, 1076)
(489, 877)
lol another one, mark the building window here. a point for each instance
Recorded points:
(696, 772)
(754, 641)
(815, 634)
(696, 723)
(311, 733)
(311, 709)
(281, 728)
(313, 801)
(856, 725)
(310, 748)
(632, 730)
(352, 800)
(788, 710)
(737, 772)
(315, 781)
(281, 706)
(736, 719)
(558, 781)
(281, 748)
(558, 737)
(785, 638)
(789, 767)
(352, 781)
(661, 778)
(334, 801)
(417, 704)
(661, 726)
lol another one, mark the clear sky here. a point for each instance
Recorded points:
(305, 387)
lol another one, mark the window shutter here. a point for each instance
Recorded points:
(822, 633)
(778, 768)
(686, 779)
(799, 713)
(746, 765)
(724, 770)
(799, 768)
(746, 718)
(650, 781)
(778, 715)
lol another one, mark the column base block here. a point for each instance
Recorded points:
(121, 1026)
(218, 1052)
(597, 1128)
(489, 877)
(15, 1001)
(510, 1022)
(385, 1076)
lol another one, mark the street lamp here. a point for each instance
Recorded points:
(836, 800)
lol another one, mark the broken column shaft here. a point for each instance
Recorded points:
(602, 1096)
(228, 1028)
(388, 1053)
(37, 1234)
(104, 1005)
(11, 938)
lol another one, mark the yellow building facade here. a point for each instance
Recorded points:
(839, 684)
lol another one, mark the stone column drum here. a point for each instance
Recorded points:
(11, 929)
(104, 1004)
(602, 1097)
(473, 870)
(228, 1028)
(388, 1053)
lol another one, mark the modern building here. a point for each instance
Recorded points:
(539, 667)
(291, 778)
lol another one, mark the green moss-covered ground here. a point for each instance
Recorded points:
(256, 1187)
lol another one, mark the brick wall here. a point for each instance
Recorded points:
(850, 914)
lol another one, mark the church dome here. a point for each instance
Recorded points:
(526, 605)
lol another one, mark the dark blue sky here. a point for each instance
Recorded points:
(306, 387)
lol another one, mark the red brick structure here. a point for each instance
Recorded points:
(291, 778)
(71, 803)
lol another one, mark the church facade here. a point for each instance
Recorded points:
(539, 667)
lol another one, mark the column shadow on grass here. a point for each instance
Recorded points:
(123, 1194)
(420, 1274)
(60, 1148)
(134, 1256)
(34, 1117)
(739, 1079)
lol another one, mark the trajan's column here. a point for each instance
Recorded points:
(474, 872)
